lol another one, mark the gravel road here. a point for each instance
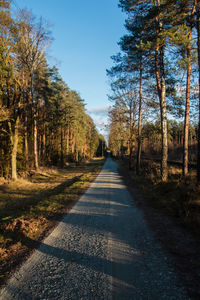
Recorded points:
(102, 249)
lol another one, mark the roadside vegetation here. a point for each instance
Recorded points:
(155, 117)
(31, 207)
(178, 198)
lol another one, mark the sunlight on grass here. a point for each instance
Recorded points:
(30, 207)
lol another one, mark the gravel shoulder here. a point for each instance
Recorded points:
(102, 249)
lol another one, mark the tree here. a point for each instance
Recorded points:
(189, 18)
(118, 135)
(41, 118)
(10, 100)
(151, 33)
(32, 42)
(198, 53)
(125, 111)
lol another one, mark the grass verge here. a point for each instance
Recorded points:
(30, 208)
(179, 197)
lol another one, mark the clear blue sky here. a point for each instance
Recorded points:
(85, 34)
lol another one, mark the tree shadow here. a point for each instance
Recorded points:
(121, 284)
(134, 261)
(25, 203)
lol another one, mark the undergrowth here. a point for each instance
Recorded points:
(31, 207)
(178, 197)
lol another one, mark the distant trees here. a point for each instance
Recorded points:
(42, 121)
(123, 114)
(161, 54)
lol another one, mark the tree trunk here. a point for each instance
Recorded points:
(35, 142)
(131, 136)
(164, 168)
(40, 147)
(26, 139)
(187, 108)
(76, 156)
(139, 124)
(67, 143)
(198, 50)
(72, 145)
(35, 133)
(61, 147)
(85, 149)
(43, 143)
(163, 109)
(131, 157)
(160, 77)
(157, 72)
(14, 144)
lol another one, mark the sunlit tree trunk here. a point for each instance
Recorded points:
(139, 123)
(198, 51)
(35, 142)
(72, 145)
(43, 142)
(26, 139)
(35, 131)
(67, 142)
(161, 88)
(61, 146)
(187, 107)
(14, 143)
(131, 129)
(163, 109)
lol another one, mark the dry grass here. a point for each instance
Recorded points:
(31, 207)
(179, 197)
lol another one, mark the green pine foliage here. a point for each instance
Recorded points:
(159, 62)
(42, 121)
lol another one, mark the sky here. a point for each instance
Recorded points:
(85, 35)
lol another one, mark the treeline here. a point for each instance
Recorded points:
(42, 121)
(151, 141)
(156, 80)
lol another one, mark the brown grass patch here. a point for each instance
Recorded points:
(179, 197)
(31, 207)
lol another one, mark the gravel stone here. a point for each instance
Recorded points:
(102, 249)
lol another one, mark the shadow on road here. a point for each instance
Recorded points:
(135, 265)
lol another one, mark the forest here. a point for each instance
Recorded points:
(144, 204)
(42, 121)
(155, 84)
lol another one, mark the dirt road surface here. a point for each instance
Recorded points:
(102, 249)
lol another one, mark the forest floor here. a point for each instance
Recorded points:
(172, 211)
(30, 208)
